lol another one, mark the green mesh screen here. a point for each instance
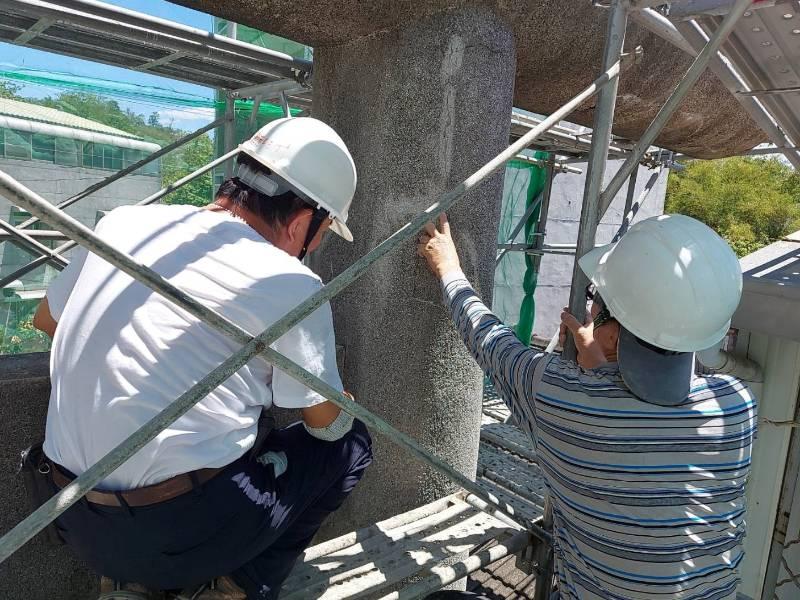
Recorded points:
(243, 110)
(515, 277)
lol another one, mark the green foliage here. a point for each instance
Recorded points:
(108, 112)
(18, 335)
(751, 202)
(9, 90)
(174, 165)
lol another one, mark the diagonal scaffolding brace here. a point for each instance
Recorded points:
(253, 346)
(31, 244)
(50, 254)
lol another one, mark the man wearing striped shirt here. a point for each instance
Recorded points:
(645, 461)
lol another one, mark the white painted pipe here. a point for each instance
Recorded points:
(727, 363)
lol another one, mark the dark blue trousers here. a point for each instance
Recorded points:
(244, 522)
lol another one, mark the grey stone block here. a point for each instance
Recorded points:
(38, 571)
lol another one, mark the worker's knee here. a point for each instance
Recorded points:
(359, 445)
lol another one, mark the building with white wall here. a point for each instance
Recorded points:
(58, 155)
(768, 324)
(555, 273)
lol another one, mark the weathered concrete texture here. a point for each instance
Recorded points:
(420, 109)
(38, 571)
(559, 45)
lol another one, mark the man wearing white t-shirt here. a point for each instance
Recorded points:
(209, 497)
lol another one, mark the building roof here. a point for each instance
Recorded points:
(771, 295)
(42, 114)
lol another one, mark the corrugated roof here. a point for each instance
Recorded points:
(42, 114)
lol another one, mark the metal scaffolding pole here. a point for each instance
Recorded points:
(37, 234)
(671, 105)
(598, 155)
(287, 112)
(518, 227)
(34, 264)
(25, 241)
(149, 200)
(130, 169)
(541, 229)
(229, 133)
(50, 510)
(559, 166)
(633, 208)
(267, 91)
(629, 196)
(691, 39)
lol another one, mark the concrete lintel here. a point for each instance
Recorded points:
(558, 49)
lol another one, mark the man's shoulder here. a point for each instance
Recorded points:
(723, 389)
(287, 274)
(569, 371)
(130, 216)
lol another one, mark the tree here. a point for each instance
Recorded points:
(751, 202)
(192, 156)
(9, 90)
(174, 165)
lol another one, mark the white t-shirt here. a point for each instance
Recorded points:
(122, 353)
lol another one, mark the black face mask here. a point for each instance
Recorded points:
(320, 214)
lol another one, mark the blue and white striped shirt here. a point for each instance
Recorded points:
(648, 501)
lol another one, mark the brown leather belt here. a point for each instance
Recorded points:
(143, 496)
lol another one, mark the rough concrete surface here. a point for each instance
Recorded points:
(417, 123)
(37, 571)
(559, 46)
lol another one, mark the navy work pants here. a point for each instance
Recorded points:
(245, 522)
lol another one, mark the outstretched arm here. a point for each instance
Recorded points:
(507, 361)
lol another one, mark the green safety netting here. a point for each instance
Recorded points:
(265, 40)
(243, 111)
(160, 97)
(516, 276)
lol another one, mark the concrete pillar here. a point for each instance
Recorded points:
(420, 108)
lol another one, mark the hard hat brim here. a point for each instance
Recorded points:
(341, 230)
(590, 261)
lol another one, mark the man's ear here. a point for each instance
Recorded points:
(298, 223)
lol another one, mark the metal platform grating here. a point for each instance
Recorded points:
(415, 553)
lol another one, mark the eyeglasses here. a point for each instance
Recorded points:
(591, 292)
(604, 316)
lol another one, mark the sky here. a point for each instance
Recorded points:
(19, 56)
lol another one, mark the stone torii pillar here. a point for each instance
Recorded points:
(420, 107)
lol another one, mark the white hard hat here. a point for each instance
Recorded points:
(311, 157)
(671, 281)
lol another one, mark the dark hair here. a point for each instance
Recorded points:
(275, 210)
